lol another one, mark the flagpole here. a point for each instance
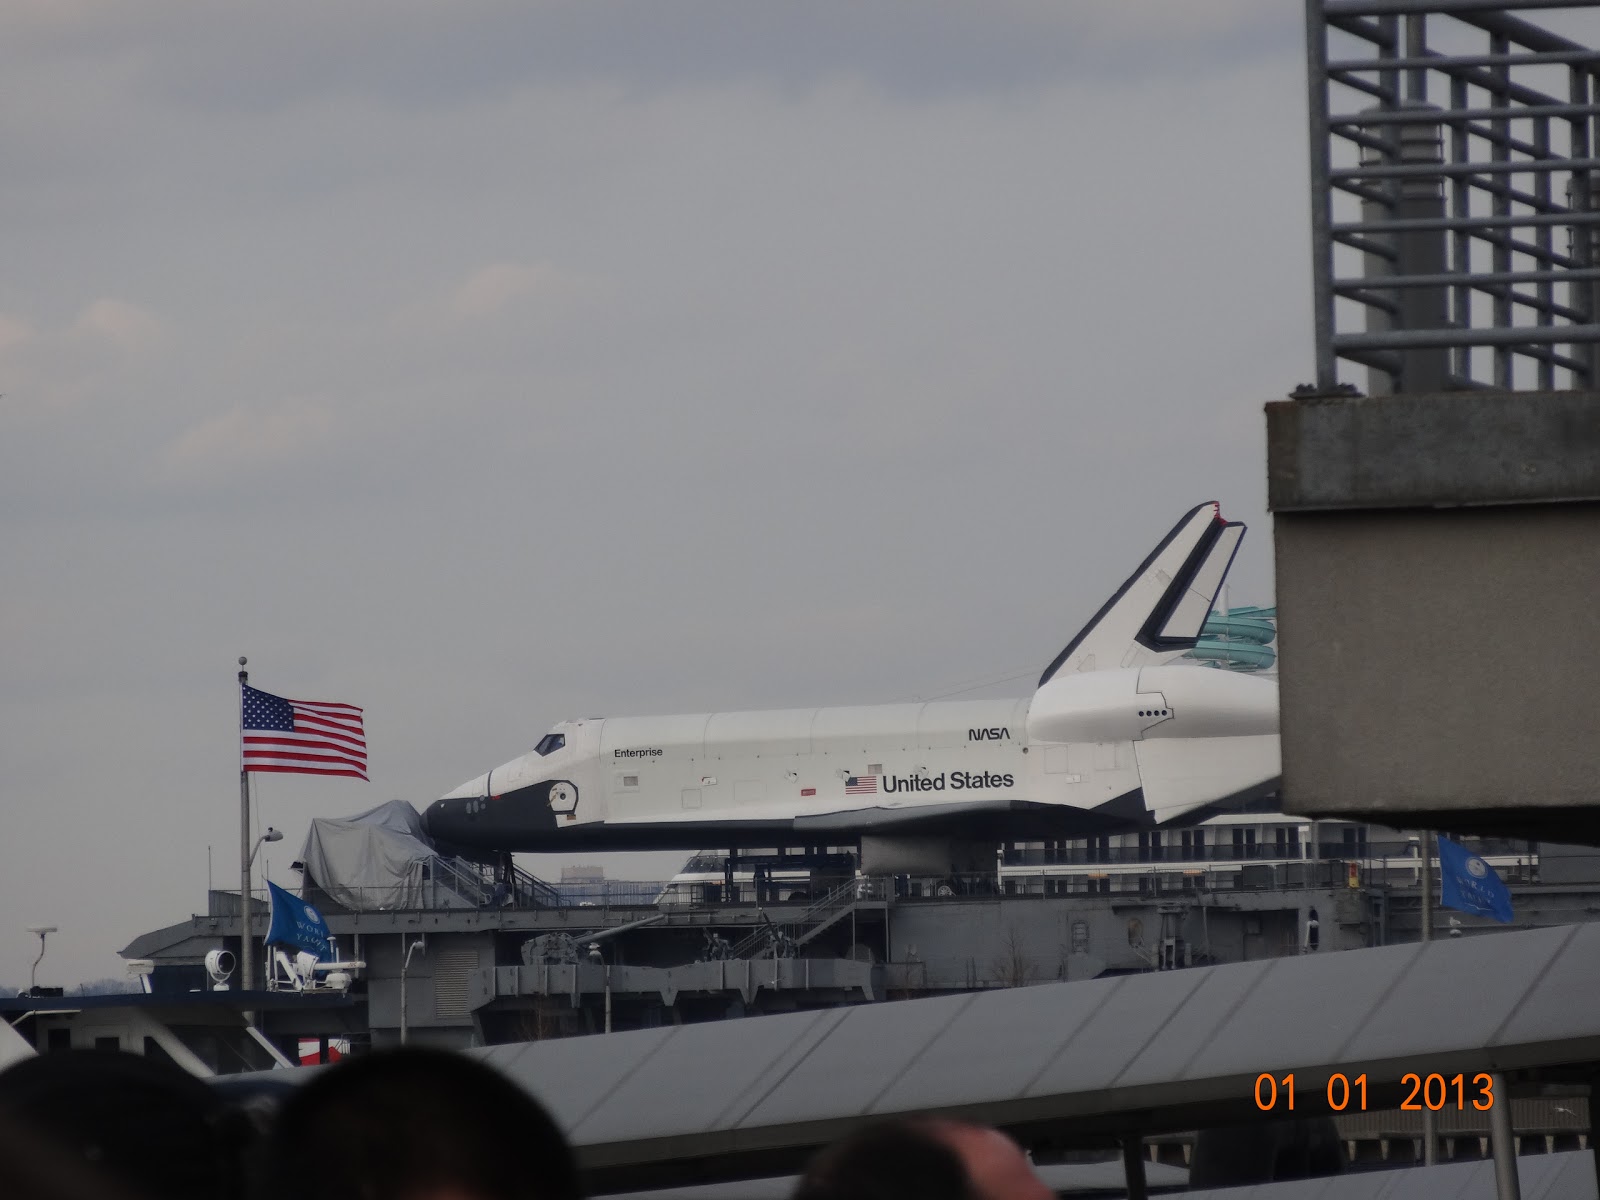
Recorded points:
(246, 954)
(1430, 1148)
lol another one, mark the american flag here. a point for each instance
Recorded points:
(311, 1050)
(305, 737)
(861, 785)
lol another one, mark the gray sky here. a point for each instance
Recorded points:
(492, 363)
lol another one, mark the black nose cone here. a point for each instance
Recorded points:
(519, 820)
(453, 825)
(432, 818)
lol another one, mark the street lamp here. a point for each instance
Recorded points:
(43, 931)
(404, 966)
(246, 954)
(271, 835)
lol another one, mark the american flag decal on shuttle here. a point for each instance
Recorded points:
(861, 785)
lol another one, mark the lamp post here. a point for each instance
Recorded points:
(43, 931)
(404, 966)
(246, 954)
(271, 835)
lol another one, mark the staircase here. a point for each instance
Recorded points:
(770, 940)
(477, 885)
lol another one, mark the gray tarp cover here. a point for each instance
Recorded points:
(370, 861)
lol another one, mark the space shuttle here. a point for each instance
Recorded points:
(1116, 735)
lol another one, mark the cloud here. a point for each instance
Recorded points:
(14, 333)
(495, 287)
(52, 370)
(128, 327)
(421, 54)
(250, 438)
(104, 324)
(522, 300)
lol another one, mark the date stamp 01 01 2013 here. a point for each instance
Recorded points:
(1433, 1092)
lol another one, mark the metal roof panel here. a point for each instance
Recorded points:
(1205, 1015)
(1270, 1030)
(1019, 1029)
(1154, 1047)
(857, 1061)
(1454, 997)
(748, 1058)
(1547, 1012)
(573, 1076)
(1117, 1033)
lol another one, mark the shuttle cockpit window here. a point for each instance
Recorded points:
(550, 743)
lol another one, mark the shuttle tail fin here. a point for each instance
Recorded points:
(1158, 613)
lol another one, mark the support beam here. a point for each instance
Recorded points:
(1133, 1166)
(1506, 1184)
(261, 1040)
(143, 1025)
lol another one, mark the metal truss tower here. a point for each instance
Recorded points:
(1453, 192)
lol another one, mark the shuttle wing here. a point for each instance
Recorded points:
(846, 820)
(1178, 777)
(875, 819)
(1008, 817)
(1158, 613)
(998, 818)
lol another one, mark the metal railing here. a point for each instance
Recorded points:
(783, 941)
(1387, 863)
(448, 883)
(1083, 856)
(1174, 851)
(1454, 214)
(483, 887)
(614, 893)
(1163, 879)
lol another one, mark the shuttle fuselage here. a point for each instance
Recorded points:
(1115, 734)
(1000, 768)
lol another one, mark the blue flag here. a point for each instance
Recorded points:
(296, 923)
(1468, 883)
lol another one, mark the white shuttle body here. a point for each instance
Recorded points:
(1116, 734)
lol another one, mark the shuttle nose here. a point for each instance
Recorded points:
(473, 818)
(455, 825)
(436, 821)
